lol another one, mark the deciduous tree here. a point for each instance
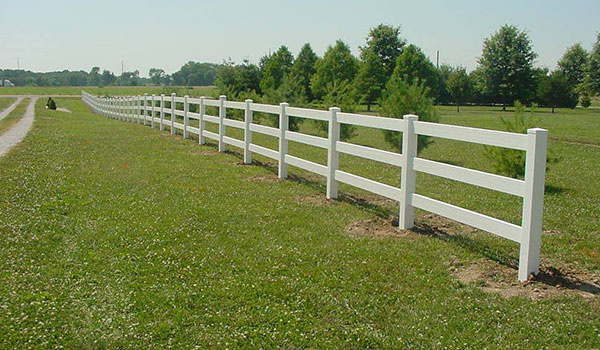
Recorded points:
(573, 64)
(506, 65)
(555, 90)
(459, 86)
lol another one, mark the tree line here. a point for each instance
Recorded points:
(388, 63)
(190, 74)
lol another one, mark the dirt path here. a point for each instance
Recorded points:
(10, 108)
(18, 132)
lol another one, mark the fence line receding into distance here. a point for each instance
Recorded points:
(162, 111)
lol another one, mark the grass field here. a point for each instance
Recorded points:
(5, 102)
(116, 235)
(10, 120)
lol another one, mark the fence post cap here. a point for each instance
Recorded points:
(410, 117)
(186, 96)
(173, 94)
(248, 100)
(162, 94)
(335, 109)
(537, 131)
(284, 104)
(222, 97)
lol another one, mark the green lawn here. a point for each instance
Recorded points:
(116, 235)
(5, 102)
(10, 120)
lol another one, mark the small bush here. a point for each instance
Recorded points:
(585, 101)
(339, 94)
(401, 98)
(506, 161)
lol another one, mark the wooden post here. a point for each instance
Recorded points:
(162, 112)
(222, 114)
(283, 143)
(173, 113)
(186, 120)
(333, 156)
(201, 124)
(247, 132)
(533, 202)
(408, 180)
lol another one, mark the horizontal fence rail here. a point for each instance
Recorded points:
(162, 111)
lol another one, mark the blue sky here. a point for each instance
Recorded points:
(61, 34)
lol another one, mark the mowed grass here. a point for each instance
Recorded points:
(572, 204)
(116, 235)
(13, 118)
(5, 102)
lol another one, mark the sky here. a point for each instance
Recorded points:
(77, 35)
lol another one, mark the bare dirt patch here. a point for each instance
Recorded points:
(263, 178)
(203, 152)
(378, 228)
(496, 278)
(370, 199)
(316, 200)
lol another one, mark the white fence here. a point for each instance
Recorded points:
(152, 110)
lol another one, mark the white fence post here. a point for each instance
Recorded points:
(201, 125)
(173, 107)
(162, 112)
(409, 176)
(533, 202)
(137, 109)
(222, 114)
(152, 113)
(132, 108)
(333, 156)
(247, 132)
(145, 108)
(283, 142)
(186, 120)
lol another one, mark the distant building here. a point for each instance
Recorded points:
(7, 83)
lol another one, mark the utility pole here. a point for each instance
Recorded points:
(437, 60)
(18, 64)
(121, 67)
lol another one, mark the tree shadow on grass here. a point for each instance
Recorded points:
(497, 255)
(551, 189)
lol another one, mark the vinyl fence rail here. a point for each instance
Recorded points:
(161, 111)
